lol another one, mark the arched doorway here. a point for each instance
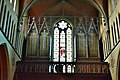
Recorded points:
(119, 71)
(119, 67)
(4, 65)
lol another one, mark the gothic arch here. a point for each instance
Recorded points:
(4, 63)
(118, 65)
(30, 3)
(65, 19)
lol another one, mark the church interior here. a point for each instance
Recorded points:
(59, 40)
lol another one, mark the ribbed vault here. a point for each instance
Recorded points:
(58, 7)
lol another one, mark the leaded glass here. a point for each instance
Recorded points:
(56, 36)
(69, 68)
(56, 40)
(56, 44)
(69, 56)
(56, 56)
(62, 24)
(56, 48)
(56, 31)
(69, 31)
(62, 40)
(64, 68)
(69, 36)
(63, 45)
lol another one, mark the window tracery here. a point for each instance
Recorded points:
(62, 49)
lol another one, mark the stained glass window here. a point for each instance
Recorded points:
(62, 48)
(62, 42)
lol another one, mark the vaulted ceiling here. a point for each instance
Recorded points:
(64, 7)
(91, 8)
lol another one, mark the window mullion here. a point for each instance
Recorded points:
(62, 37)
(65, 48)
(65, 52)
(59, 46)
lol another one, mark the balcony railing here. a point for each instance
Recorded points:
(80, 67)
(90, 67)
(38, 67)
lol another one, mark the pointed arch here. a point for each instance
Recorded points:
(118, 66)
(93, 39)
(62, 42)
(31, 3)
(32, 40)
(37, 38)
(44, 38)
(4, 62)
(62, 49)
(81, 39)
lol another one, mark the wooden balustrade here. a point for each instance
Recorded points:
(80, 67)
(38, 67)
(90, 67)
(34, 58)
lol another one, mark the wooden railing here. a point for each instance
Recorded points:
(34, 58)
(92, 67)
(9, 27)
(80, 67)
(41, 67)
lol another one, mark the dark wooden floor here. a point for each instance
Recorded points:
(49, 76)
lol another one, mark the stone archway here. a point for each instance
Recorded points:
(4, 63)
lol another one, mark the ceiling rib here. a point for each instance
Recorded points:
(32, 2)
(36, 1)
(70, 4)
(97, 5)
(49, 9)
(25, 9)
